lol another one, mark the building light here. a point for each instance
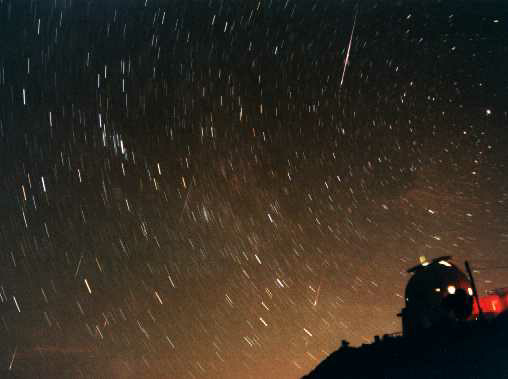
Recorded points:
(437, 289)
(451, 290)
(470, 291)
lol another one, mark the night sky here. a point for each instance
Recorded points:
(228, 189)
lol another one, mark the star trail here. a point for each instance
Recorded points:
(228, 189)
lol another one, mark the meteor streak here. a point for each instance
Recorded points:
(346, 60)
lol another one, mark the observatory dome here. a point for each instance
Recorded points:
(437, 292)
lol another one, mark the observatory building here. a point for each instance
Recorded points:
(448, 331)
(438, 293)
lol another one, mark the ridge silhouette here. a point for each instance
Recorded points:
(445, 333)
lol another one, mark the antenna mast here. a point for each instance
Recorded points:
(475, 293)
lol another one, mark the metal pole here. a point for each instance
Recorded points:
(475, 293)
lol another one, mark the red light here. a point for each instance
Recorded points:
(489, 304)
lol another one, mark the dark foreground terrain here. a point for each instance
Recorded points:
(473, 350)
